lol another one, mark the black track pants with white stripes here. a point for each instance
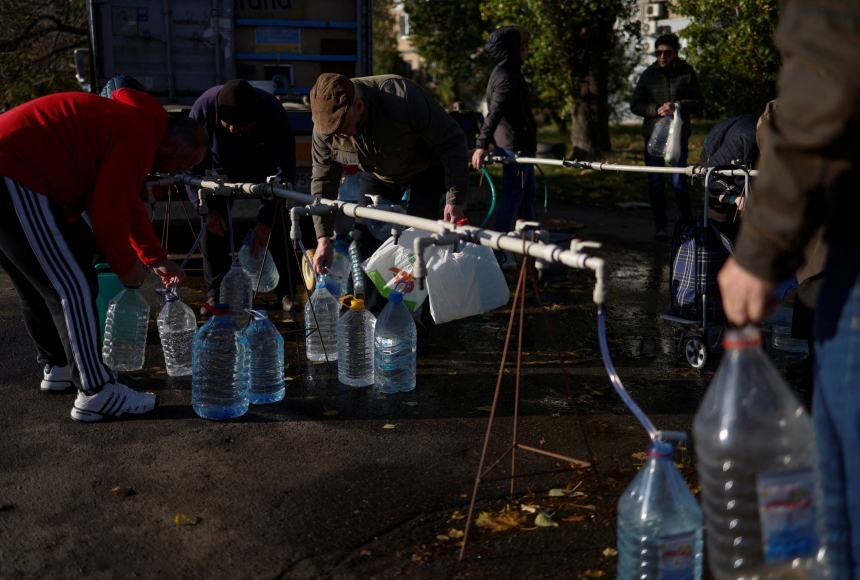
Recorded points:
(50, 263)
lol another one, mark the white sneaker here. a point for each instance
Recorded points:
(113, 400)
(57, 379)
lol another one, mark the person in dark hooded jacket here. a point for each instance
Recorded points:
(509, 123)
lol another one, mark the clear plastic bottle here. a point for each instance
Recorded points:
(338, 273)
(756, 461)
(126, 324)
(325, 314)
(252, 266)
(219, 378)
(780, 324)
(659, 137)
(350, 185)
(380, 230)
(659, 523)
(176, 328)
(355, 345)
(394, 345)
(236, 292)
(357, 274)
(266, 360)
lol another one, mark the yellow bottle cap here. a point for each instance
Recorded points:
(356, 304)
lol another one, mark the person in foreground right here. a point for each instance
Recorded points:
(810, 168)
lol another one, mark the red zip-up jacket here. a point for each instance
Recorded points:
(89, 153)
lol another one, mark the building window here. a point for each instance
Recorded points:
(403, 25)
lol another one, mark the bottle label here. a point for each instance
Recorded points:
(786, 508)
(678, 557)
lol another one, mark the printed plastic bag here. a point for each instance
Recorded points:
(673, 143)
(465, 283)
(390, 265)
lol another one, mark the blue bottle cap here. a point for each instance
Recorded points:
(660, 449)
(395, 296)
(170, 297)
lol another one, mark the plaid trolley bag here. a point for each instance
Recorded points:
(698, 254)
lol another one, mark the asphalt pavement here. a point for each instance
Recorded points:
(338, 482)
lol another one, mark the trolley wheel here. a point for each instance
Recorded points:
(696, 352)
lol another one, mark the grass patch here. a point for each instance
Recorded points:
(605, 188)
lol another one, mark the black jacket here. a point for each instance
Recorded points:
(729, 141)
(509, 122)
(678, 84)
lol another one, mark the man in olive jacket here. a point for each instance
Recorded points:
(402, 139)
(808, 175)
(667, 81)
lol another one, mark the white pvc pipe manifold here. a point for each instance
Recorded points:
(690, 170)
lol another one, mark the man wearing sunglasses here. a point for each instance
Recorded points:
(667, 81)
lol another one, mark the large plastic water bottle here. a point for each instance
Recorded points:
(394, 346)
(176, 328)
(236, 292)
(356, 273)
(659, 523)
(338, 273)
(266, 360)
(219, 378)
(252, 266)
(380, 230)
(325, 314)
(355, 345)
(756, 461)
(350, 185)
(126, 324)
(657, 143)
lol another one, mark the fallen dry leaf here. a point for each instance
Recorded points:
(120, 491)
(641, 456)
(594, 573)
(411, 404)
(442, 538)
(330, 413)
(529, 509)
(543, 520)
(556, 493)
(185, 520)
(487, 409)
(574, 519)
(464, 496)
(457, 515)
(454, 533)
(501, 522)
(610, 552)
(389, 426)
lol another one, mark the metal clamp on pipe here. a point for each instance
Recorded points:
(420, 272)
(307, 210)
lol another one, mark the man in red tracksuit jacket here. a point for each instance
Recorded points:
(62, 155)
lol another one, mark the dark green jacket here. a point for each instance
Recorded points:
(401, 133)
(655, 87)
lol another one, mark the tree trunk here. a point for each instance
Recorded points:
(589, 127)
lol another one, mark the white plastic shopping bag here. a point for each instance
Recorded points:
(391, 265)
(465, 283)
(673, 143)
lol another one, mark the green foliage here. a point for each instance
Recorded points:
(386, 57)
(448, 35)
(37, 41)
(730, 44)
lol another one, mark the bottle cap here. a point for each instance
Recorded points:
(356, 304)
(659, 449)
(350, 169)
(395, 296)
(463, 222)
(746, 337)
(249, 237)
(218, 309)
